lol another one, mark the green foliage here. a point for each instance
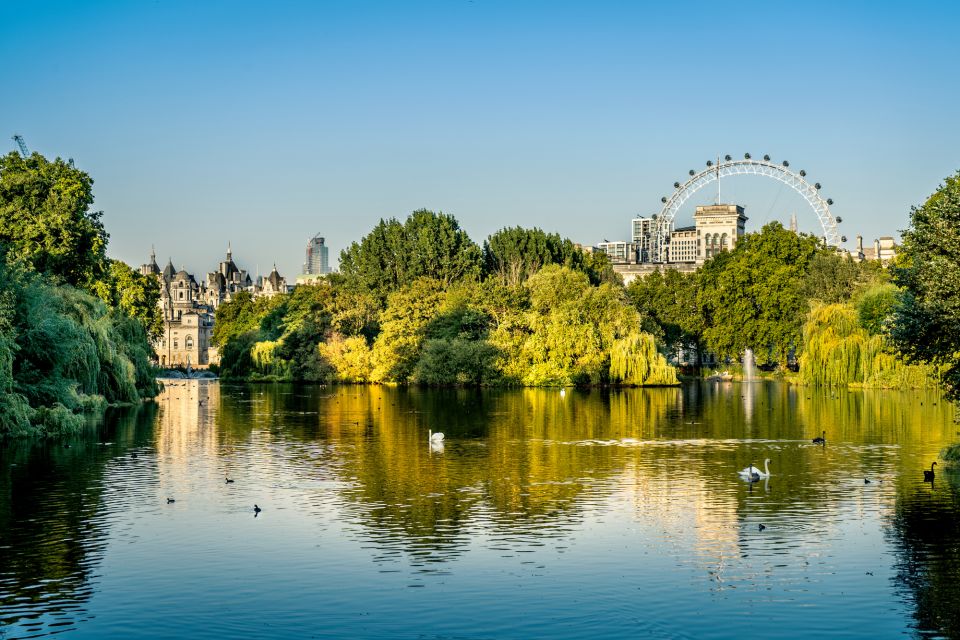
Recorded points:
(458, 361)
(45, 218)
(752, 296)
(135, 294)
(668, 308)
(428, 245)
(839, 351)
(410, 308)
(833, 277)
(635, 360)
(351, 358)
(514, 254)
(63, 352)
(876, 306)
(243, 314)
(925, 323)
(403, 324)
(951, 455)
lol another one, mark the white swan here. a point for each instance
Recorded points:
(563, 392)
(753, 472)
(434, 437)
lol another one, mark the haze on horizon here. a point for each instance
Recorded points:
(261, 125)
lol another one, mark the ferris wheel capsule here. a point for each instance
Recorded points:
(746, 156)
(839, 219)
(817, 186)
(709, 163)
(843, 238)
(786, 164)
(727, 157)
(663, 199)
(802, 173)
(829, 200)
(692, 172)
(676, 185)
(766, 157)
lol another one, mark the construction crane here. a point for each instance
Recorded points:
(20, 143)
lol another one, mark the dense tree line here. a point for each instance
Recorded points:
(419, 302)
(74, 324)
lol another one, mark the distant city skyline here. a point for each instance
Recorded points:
(203, 123)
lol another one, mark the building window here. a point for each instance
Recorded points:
(176, 344)
(188, 342)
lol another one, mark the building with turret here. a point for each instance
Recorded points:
(188, 307)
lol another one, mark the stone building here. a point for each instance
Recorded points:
(884, 250)
(187, 318)
(188, 308)
(272, 285)
(227, 281)
(719, 227)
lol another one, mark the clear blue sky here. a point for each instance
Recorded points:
(264, 123)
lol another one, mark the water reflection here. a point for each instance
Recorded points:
(620, 497)
(55, 518)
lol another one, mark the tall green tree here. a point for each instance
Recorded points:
(133, 293)
(426, 245)
(926, 324)
(45, 218)
(513, 254)
(752, 297)
(668, 307)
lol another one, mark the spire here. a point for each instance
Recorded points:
(229, 251)
(793, 222)
(153, 254)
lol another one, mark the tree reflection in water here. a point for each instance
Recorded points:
(53, 522)
(926, 535)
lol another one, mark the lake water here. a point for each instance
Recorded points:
(593, 514)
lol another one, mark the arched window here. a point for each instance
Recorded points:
(723, 242)
(188, 342)
(176, 343)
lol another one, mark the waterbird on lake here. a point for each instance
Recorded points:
(228, 481)
(256, 509)
(865, 481)
(434, 437)
(751, 471)
(821, 440)
(170, 500)
(761, 527)
(928, 475)
(563, 392)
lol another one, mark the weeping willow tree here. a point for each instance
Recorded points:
(64, 352)
(838, 351)
(635, 360)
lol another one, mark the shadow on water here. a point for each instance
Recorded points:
(52, 519)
